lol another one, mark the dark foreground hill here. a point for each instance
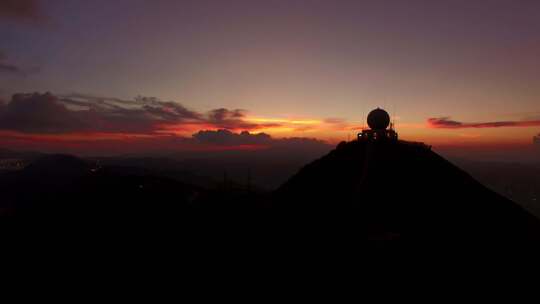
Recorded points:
(381, 190)
(64, 186)
(403, 190)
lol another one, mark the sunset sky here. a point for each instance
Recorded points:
(450, 72)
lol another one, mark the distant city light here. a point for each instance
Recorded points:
(12, 164)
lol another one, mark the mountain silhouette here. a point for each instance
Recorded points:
(64, 185)
(55, 186)
(403, 190)
(383, 189)
(58, 166)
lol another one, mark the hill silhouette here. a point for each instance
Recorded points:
(380, 190)
(403, 190)
(57, 166)
(63, 186)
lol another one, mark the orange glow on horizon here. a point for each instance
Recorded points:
(331, 131)
(285, 121)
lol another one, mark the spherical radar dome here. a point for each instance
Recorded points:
(378, 119)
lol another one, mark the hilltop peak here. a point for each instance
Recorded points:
(404, 189)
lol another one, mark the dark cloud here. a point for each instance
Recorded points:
(9, 68)
(226, 137)
(147, 111)
(13, 69)
(6, 67)
(21, 10)
(167, 110)
(447, 123)
(245, 138)
(42, 120)
(443, 122)
(203, 143)
(234, 120)
(47, 113)
(38, 113)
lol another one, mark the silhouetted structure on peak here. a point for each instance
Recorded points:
(396, 189)
(380, 127)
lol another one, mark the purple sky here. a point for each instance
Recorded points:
(474, 62)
